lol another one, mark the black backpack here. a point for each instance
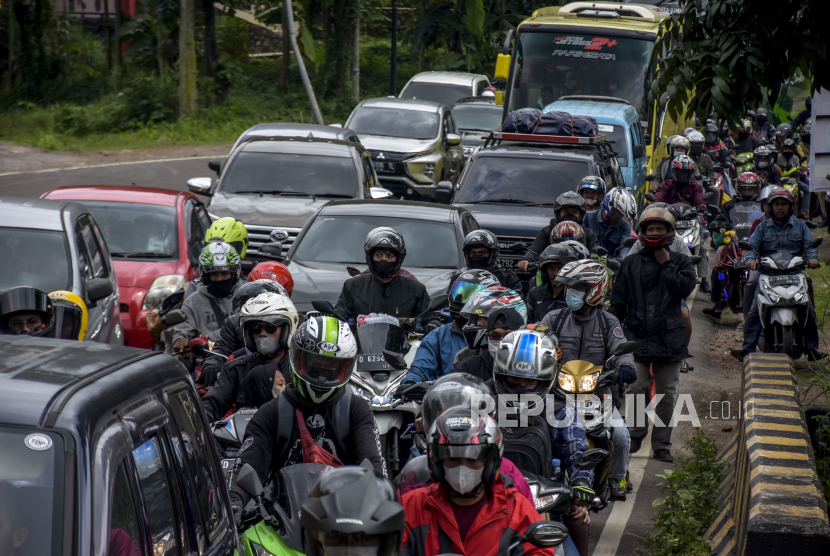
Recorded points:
(529, 448)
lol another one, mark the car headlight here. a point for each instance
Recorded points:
(161, 288)
(259, 550)
(567, 383)
(429, 170)
(588, 382)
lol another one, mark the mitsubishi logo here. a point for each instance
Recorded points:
(381, 156)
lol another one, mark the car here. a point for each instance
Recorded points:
(297, 130)
(510, 186)
(475, 117)
(414, 144)
(333, 239)
(155, 237)
(446, 87)
(275, 184)
(106, 450)
(57, 245)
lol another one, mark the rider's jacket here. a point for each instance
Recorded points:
(203, 314)
(230, 340)
(543, 240)
(506, 278)
(228, 388)
(436, 353)
(479, 364)
(691, 193)
(746, 145)
(792, 238)
(540, 301)
(611, 236)
(582, 338)
(401, 298)
(765, 130)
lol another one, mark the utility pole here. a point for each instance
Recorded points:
(10, 72)
(300, 64)
(356, 55)
(393, 87)
(187, 58)
(118, 35)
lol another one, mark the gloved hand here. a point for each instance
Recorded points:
(430, 326)
(626, 374)
(583, 493)
(237, 514)
(412, 391)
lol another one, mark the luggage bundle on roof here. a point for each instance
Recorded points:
(533, 122)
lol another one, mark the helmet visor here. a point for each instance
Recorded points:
(461, 292)
(320, 370)
(67, 322)
(479, 452)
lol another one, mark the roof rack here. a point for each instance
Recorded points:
(599, 9)
(496, 137)
(594, 98)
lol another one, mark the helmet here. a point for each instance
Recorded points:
(250, 290)
(788, 144)
(465, 285)
(352, 507)
(696, 141)
(454, 389)
(558, 253)
(807, 129)
(218, 256)
(621, 200)
(527, 354)
(678, 141)
(749, 184)
(461, 432)
(25, 300)
(761, 156)
(569, 199)
(502, 307)
(71, 318)
(386, 239)
(567, 230)
(579, 250)
(272, 270)
(586, 273)
(687, 131)
(322, 355)
(481, 238)
(711, 133)
(750, 114)
(761, 115)
(765, 192)
(230, 230)
(668, 143)
(656, 214)
(783, 130)
(781, 193)
(594, 183)
(682, 169)
(271, 308)
(414, 474)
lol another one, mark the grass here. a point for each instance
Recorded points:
(821, 280)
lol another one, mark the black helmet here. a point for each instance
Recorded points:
(250, 290)
(784, 130)
(557, 253)
(761, 115)
(352, 507)
(465, 285)
(414, 474)
(384, 239)
(711, 133)
(454, 389)
(750, 114)
(682, 170)
(502, 307)
(26, 300)
(788, 144)
(481, 238)
(569, 199)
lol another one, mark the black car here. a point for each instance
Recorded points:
(332, 240)
(476, 117)
(510, 186)
(106, 450)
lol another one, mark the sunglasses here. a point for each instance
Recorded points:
(270, 328)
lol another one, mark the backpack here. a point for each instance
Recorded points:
(340, 423)
(529, 448)
(559, 322)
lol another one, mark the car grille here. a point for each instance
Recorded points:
(257, 235)
(509, 257)
(390, 157)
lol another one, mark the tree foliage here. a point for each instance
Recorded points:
(730, 54)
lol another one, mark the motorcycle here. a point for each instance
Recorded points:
(688, 227)
(731, 268)
(740, 211)
(744, 163)
(552, 495)
(229, 434)
(783, 302)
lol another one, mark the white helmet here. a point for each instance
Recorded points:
(586, 273)
(620, 199)
(273, 309)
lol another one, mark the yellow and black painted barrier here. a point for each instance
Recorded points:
(770, 497)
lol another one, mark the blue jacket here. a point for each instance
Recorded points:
(793, 239)
(436, 353)
(568, 442)
(610, 237)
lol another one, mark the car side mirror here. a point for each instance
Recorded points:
(545, 534)
(453, 139)
(380, 193)
(745, 245)
(638, 151)
(249, 481)
(272, 251)
(173, 318)
(215, 165)
(629, 242)
(395, 360)
(649, 197)
(200, 186)
(624, 348)
(98, 289)
(443, 192)
(590, 458)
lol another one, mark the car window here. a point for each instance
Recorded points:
(124, 533)
(468, 224)
(29, 249)
(204, 217)
(95, 258)
(395, 122)
(203, 470)
(157, 497)
(291, 175)
(476, 117)
(135, 230)
(84, 263)
(480, 86)
(437, 92)
(616, 134)
(369, 173)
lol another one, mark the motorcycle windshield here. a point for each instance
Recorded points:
(376, 337)
(298, 481)
(742, 213)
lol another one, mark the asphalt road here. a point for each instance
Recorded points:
(617, 530)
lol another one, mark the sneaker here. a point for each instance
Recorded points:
(663, 455)
(738, 354)
(635, 445)
(740, 327)
(628, 486)
(684, 367)
(617, 487)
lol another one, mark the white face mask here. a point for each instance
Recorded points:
(493, 346)
(462, 479)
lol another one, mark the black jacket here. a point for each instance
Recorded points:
(746, 145)
(543, 240)
(261, 437)
(230, 340)
(646, 299)
(540, 302)
(228, 388)
(480, 365)
(507, 278)
(258, 386)
(402, 298)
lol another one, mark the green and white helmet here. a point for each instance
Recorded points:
(322, 355)
(219, 256)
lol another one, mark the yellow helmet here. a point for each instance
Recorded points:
(230, 230)
(71, 316)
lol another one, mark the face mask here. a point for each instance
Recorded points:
(267, 347)
(462, 479)
(711, 138)
(570, 218)
(351, 550)
(221, 288)
(696, 148)
(762, 119)
(805, 139)
(763, 164)
(478, 261)
(591, 202)
(383, 268)
(574, 299)
(493, 346)
(743, 134)
(276, 392)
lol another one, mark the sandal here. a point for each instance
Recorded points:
(740, 326)
(684, 367)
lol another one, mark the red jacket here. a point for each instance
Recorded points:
(693, 194)
(431, 528)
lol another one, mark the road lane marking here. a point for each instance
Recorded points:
(92, 166)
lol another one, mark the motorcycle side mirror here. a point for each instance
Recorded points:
(174, 317)
(745, 245)
(727, 206)
(695, 259)
(624, 348)
(395, 360)
(629, 242)
(649, 197)
(323, 306)
(589, 458)
(600, 251)
(815, 242)
(352, 271)
(545, 534)
(437, 303)
(614, 265)
(249, 481)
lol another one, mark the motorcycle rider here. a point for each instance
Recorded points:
(763, 128)
(646, 299)
(679, 145)
(746, 141)
(26, 310)
(700, 157)
(322, 353)
(481, 251)
(70, 316)
(782, 133)
(592, 189)
(587, 332)
(765, 165)
(273, 270)
(548, 295)
(780, 234)
(382, 290)
(228, 230)
(610, 223)
(267, 322)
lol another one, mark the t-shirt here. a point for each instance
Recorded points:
(466, 515)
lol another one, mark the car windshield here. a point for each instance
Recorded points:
(135, 230)
(478, 118)
(31, 491)
(616, 134)
(36, 258)
(533, 180)
(436, 92)
(291, 175)
(395, 122)
(339, 239)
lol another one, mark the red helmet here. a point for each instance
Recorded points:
(781, 193)
(567, 230)
(272, 270)
(682, 169)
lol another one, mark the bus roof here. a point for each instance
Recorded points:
(641, 18)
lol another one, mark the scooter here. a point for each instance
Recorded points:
(687, 225)
(740, 211)
(229, 434)
(552, 495)
(731, 268)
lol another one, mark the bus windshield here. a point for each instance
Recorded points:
(551, 65)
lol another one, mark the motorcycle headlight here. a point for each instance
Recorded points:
(546, 501)
(382, 401)
(775, 298)
(259, 550)
(588, 382)
(362, 393)
(567, 383)
(161, 288)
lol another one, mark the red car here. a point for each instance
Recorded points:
(155, 237)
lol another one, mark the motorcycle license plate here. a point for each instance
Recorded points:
(782, 280)
(684, 224)
(227, 466)
(384, 167)
(587, 408)
(372, 363)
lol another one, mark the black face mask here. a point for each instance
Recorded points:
(762, 119)
(743, 134)
(383, 268)
(221, 288)
(805, 139)
(570, 218)
(479, 261)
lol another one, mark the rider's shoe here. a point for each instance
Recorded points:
(712, 314)
(617, 487)
(815, 355)
(634, 447)
(704, 287)
(628, 486)
(663, 455)
(738, 354)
